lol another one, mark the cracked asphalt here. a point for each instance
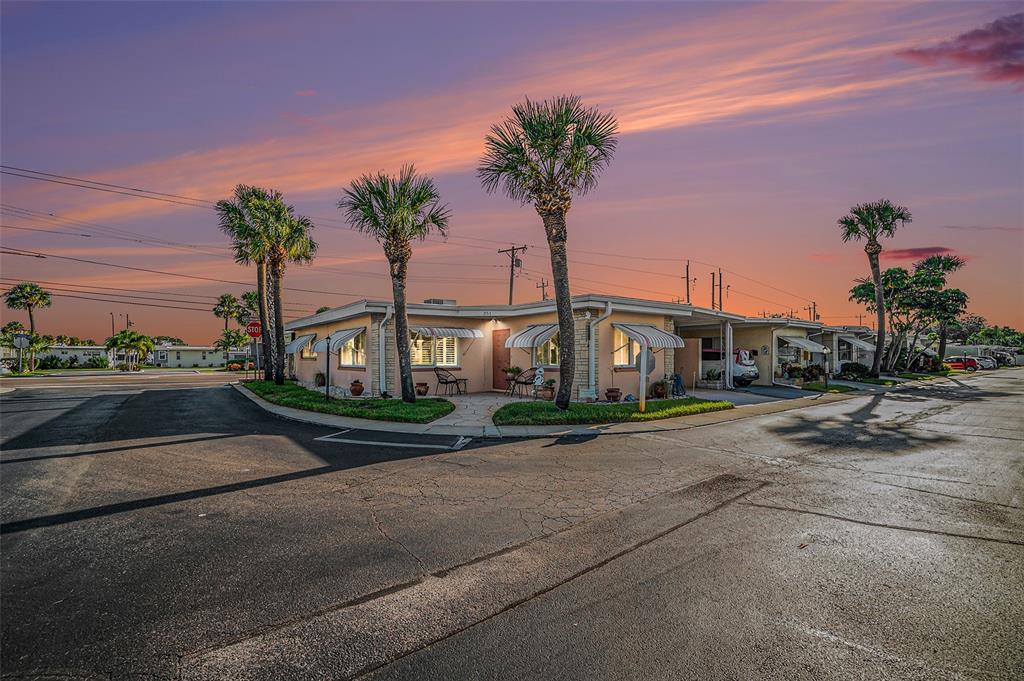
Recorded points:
(181, 533)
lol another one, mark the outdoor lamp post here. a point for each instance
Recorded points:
(827, 352)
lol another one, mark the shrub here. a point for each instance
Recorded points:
(713, 374)
(51, 362)
(234, 366)
(72, 361)
(813, 372)
(99, 362)
(121, 366)
(854, 370)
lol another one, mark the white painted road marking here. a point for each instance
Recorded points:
(333, 437)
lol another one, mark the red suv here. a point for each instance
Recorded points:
(961, 363)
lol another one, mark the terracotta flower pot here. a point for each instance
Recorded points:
(356, 388)
(422, 389)
(613, 394)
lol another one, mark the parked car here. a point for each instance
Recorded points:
(987, 362)
(1004, 358)
(961, 363)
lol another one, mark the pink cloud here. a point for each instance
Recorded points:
(995, 51)
(919, 253)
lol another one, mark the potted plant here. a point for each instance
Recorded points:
(547, 390)
(613, 394)
(422, 389)
(659, 389)
(512, 372)
(712, 380)
(321, 380)
(356, 387)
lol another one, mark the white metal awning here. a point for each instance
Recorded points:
(299, 343)
(929, 352)
(803, 343)
(338, 338)
(858, 343)
(650, 336)
(533, 336)
(446, 332)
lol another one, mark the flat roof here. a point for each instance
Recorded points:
(588, 300)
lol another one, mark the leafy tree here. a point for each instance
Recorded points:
(544, 154)
(231, 339)
(227, 308)
(870, 222)
(134, 345)
(395, 210)
(966, 326)
(167, 340)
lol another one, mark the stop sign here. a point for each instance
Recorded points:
(254, 329)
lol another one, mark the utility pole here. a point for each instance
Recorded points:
(720, 289)
(712, 290)
(687, 282)
(543, 286)
(860, 319)
(112, 332)
(514, 262)
(814, 311)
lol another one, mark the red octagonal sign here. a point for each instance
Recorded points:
(254, 329)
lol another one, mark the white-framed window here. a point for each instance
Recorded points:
(426, 351)
(177, 354)
(353, 352)
(162, 356)
(307, 350)
(625, 348)
(204, 354)
(546, 355)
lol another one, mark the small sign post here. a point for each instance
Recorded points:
(21, 341)
(255, 330)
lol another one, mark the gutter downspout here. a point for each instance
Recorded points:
(592, 352)
(382, 349)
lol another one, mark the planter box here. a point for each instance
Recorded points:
(711, 385)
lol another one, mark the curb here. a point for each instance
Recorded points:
(591, 430)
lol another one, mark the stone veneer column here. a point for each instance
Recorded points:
(582, 374)
(669, 354)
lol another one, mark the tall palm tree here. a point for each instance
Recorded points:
(289, 240)
(28, 296)
(395, 211)
(870, 222)
(134, 344)
(544, 154)
(241, 218)
(227, 308)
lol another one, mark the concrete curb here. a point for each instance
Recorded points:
(592, 430)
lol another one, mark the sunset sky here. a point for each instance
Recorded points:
(747, 131)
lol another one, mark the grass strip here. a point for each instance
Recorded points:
(543, 413)
(423, 410)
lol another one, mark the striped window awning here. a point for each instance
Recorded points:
(928, 352)
(298, 343)
(803, 343)
(338, 338)
(650, 336)
(858, 343)
(533, 336)
(446, 332)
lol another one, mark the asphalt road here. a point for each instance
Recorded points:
(176, 531)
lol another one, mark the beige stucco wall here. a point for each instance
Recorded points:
(307, 369)
(760, 337)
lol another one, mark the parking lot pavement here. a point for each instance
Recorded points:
(187, 534)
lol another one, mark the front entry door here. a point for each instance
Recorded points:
(501, 357)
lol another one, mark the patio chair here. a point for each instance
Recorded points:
(453, 385)
(523, 383)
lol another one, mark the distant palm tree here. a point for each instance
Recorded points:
(134, 345)
(227, 308)
(395, 211)
(543, 154)
(250, 307)
(871, 221)
(231, 339)
(241, 219)
(28, 296)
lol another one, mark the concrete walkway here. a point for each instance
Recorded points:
(492, 431)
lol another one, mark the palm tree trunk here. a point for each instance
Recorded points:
(265, 337)
(876, 276)
(942, 343)
(399, 271)
(554, 227)
(31, 322)
(277, 277)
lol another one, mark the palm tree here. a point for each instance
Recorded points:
(28, 296)
(229, 340)
(394, 211)
(134, 344)
(871, 221)
(227, 308)
(250, 307)
(241, 219)
(543, 154)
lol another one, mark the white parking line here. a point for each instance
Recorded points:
(333, 437)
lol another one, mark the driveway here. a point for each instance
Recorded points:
(183, 533)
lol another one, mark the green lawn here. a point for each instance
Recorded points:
(832, 388)
(543, 413)
(915, 376)
(423, 410)
(874, 381)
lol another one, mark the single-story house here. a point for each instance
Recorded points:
(846, 344)
(187, 356)
(81, 353)
(478, 342)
